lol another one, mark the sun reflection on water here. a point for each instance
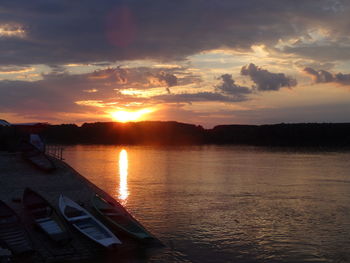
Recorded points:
(123, 176)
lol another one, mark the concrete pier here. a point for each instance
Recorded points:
(16, 174)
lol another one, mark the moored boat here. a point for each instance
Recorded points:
(5, 255)
(12, 233)
(45, 216)
(87, 224)
(37, 157)
(118, 216)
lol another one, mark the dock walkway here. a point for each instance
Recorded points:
(17, 174)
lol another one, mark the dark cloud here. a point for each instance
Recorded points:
(138, 78)
(229, 87)
(323, 76)
(265, 80)
(227, 91)
(320, 76)
(30, 98)
(315, 65)
(199, 96)
(169, 79)
(166, 79)
(324, 53)
(59, 92)
(64, 31)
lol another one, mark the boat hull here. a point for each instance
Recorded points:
(12, 233)
(37, 158)
(45, 216)
(117, 216)
(87, 224)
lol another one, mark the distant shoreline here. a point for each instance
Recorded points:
(318, 135)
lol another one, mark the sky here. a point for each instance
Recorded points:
(196, 61)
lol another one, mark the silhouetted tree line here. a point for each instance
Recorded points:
(303, 135)
(9, 138)
(174, 133)
(168, 133)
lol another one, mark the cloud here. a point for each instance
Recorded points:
(15, 69)
(163, 79)
(265, 80)
(227, 91)
(169, 79)
(315, 65)
(323, 76)
(11, 30)
(320, 76)
(229, 87)
(62, 32)
(198, 97)
(325, 53)
(76, 93)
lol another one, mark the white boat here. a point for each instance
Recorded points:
(87, 224)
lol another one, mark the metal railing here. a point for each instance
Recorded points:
(54, 151)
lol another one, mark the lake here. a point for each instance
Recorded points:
(229, 203)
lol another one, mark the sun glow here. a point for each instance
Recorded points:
(125, 116)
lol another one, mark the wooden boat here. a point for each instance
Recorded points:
(5, 255)
(37, 157)
(117, 215)
(88, 225)
(12, 233)
(45, 216)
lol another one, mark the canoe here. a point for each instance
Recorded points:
(117, 215)
(36, 157)
(12, 233)
(45, 216)
(87, 224)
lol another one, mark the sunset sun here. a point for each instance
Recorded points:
(125, 116)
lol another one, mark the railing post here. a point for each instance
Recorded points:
(55, 151)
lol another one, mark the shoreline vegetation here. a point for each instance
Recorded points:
(329, 135)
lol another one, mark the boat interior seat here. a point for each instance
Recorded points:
(78, 218)
(15, 239)
(49, 225)
(40, 210)
(90, 227)
(19, 247)
(8, 219)
(73, 212)
(6, 214)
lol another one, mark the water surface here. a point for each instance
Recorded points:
(229, 204)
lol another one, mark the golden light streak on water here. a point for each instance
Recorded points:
(123, 176)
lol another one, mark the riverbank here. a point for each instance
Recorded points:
(16, 174)
(329, 135)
